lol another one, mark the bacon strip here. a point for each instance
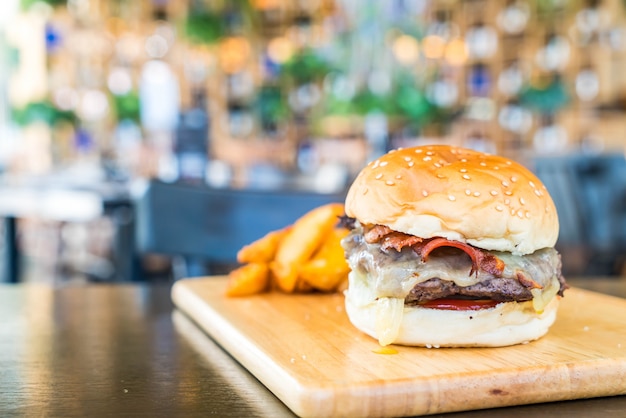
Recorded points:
(527, 281)
(375, 233)
(480, 259)
(398, 240)
(388, 238)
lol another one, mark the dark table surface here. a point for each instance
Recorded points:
(123, 350)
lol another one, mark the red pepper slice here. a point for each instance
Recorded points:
(459, 304)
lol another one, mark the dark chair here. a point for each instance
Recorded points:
(601, 196)
(205, 227)
(590, 195)
(556, 173)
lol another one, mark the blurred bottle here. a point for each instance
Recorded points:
(191, 141)
(159, 97)
(159, 100)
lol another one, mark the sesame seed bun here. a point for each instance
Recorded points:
(484, 200)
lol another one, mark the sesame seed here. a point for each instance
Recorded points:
(505, 183)
(411, 164)
(513, 179)
(520, 214)
(538, 192)
(389, 183)
(398, 177)
(379, 176)
(483, 164)
(437, 165)
(441, 176)
(376, 163)
(532, 184)
(424, 193)
(476, 194)
(407, 159)
(522, 201)
(527, 214)
(512, 211)
(468, 192)
(466, 177)
(508, 163)
(508, 192)
(365, 191)
(431, 153)
(507, 202)
(427, 158)
(384, 163)
(463, 170)
(463, 160)
(499, 208)
(495, 167)
(451, 197)
(493, 192)
(418, 151)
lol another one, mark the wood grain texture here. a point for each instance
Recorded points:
(303, 348)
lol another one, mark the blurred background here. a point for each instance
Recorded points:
(99, 96)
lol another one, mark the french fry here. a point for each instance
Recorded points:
(263, 249)
(302, 286)
(301, 242)
(343, 285)
(248, 279)
(328, 268)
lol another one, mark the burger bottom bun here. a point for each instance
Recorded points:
(506, 324)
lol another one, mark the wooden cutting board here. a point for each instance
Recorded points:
(303, 348)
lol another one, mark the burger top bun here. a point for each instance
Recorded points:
(488, 201)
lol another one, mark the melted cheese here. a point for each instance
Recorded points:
(541, 297)
(388, 319)
(394, 274)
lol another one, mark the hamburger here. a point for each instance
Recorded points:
(451, 247)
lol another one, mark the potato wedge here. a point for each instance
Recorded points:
(302, 286)
(248, 280)
(301, 242)
(328, 268)
(263, 249)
